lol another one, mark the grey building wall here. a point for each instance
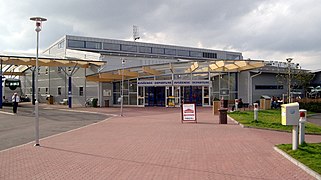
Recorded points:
(243, 86)
(266, 79)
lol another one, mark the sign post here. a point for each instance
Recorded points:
(302, 121)
(189, 112)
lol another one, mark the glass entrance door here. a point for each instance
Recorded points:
(206, 96)
(192, 94)
(140, 97)
(177, 95)
(155, 96)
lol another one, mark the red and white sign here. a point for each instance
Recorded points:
(189, 112)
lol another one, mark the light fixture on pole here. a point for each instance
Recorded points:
(122, 87)
(289, 60)
(38, 21)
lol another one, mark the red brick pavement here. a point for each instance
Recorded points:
(151, 143)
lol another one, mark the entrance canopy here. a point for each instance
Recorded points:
(17, 64)
(181, 67)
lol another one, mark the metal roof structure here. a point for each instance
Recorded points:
(17, 64)
(185, 66)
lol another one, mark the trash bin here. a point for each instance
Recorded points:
(216, 106)
(265, 102)
(106, 103)
(171, 101)
(49, 99)
(94, 102)
(223, 116)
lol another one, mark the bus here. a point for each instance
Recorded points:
(9, 87)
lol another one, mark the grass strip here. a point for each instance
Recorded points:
(269, 119)
(308, 153)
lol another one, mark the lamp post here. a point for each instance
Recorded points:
(289, 60)
(38, 21)
(122, 87)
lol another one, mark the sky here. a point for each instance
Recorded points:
(260, 29)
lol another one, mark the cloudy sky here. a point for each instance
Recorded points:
(260, 29)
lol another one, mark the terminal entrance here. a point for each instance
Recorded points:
(155, 96)
(192, 94)
(162, 95)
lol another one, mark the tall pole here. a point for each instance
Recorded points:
(122, 88)
(36, 98)
(38, 21)
(1, 93)
(289, 78)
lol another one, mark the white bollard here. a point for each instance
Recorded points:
(256, 111)
(303, 117)
(295, 137)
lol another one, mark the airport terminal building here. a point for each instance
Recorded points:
(152, 74)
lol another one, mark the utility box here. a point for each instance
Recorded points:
(290, 114)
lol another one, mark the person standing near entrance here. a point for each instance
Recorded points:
(15, 100)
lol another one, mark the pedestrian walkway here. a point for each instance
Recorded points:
(151, 143)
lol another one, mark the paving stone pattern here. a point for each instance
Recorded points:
(152, 143)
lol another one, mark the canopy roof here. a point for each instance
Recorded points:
(16, 64)
(184, 66)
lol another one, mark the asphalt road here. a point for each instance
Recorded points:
(315, 119)
(20, 128)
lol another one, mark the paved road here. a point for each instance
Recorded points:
(315, 119)
(20, 129)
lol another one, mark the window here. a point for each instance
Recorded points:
(61, 44)
(209, 55)
(182, 53)
(170, 51)
(233, 57)
(81, 91)
(129, 48)
(76, 44)
(110, 46)
(46, 90)
(195, 54)
(266, 87)
(46, 72)
(93, 45)
(143, 49)
(59, 90)
(157, 50)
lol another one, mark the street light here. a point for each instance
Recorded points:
(38, 21)
(122, 86)
(289, 60)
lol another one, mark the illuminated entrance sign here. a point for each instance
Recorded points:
(173, 83)
(155, 83)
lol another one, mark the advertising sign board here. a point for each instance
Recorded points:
(189, 112)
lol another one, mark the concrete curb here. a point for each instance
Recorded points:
(299, 164)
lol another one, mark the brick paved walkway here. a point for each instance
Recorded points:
(151, 143)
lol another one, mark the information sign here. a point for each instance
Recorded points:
(189, 112)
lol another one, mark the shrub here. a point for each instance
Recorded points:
(311, 106)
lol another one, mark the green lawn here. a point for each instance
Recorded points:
(308, 154)
(269, 119)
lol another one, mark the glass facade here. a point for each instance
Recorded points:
(224, 85)
(221, 84)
